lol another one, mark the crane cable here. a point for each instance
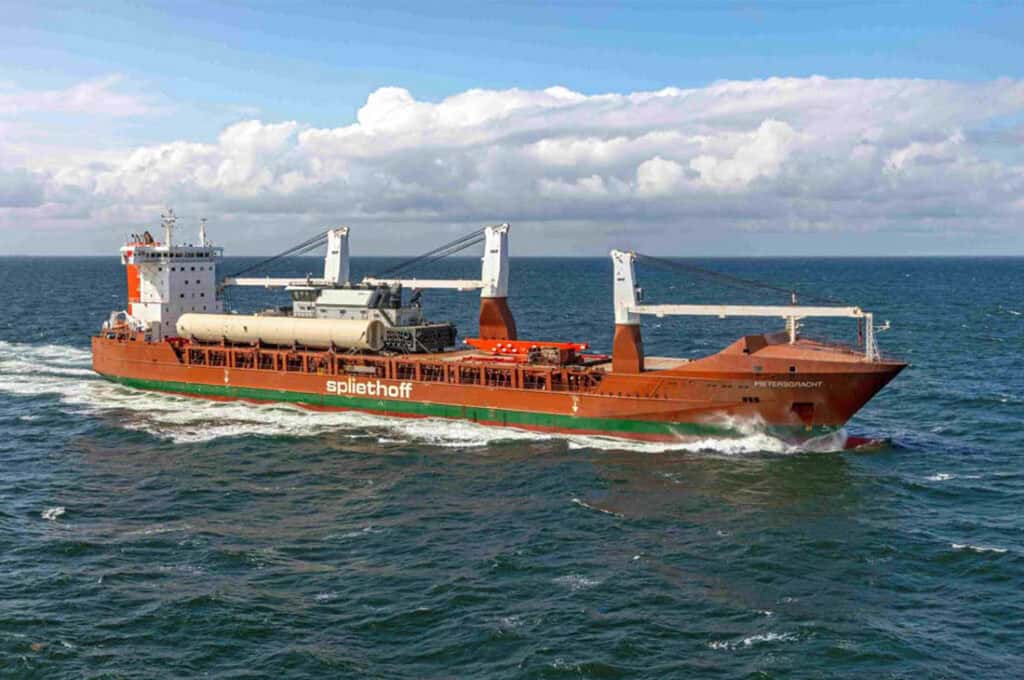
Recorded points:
(450, 248)
(296, 250)
(736, 281)
(318, 240)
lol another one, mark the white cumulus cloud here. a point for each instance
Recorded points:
(781, 154)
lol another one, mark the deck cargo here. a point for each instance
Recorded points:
(283, 331)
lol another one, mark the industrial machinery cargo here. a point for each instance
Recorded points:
(283, 331)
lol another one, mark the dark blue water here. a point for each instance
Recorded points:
(144, 535)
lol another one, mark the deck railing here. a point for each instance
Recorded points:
(455, 372)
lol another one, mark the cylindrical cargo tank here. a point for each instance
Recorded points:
(286, 330)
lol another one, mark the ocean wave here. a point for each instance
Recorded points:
(52, 513)
(359, 533)
(977, 548)
(946, 476)
(586, 505)
(576, 582)
(750, 641)
(158, 529)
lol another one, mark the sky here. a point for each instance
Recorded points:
(673, 128)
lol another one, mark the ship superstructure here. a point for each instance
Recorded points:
(369, 346)
(166, 281)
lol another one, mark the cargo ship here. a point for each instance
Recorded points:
(368, 346)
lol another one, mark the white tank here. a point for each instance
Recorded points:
(278, 330)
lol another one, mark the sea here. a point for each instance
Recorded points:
(144, 535)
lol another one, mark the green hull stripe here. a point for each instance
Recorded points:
(473, 413)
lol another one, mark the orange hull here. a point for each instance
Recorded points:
(801, 390)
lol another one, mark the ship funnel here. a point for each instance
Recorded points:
(336, 268)
(496, 321)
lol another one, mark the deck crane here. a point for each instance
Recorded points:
(496, 320)
(336, 263)
(627, 347)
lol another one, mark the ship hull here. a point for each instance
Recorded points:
(721, 398)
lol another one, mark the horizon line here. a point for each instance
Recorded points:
(914, 256)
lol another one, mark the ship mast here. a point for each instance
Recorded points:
(202, 232)
(168, 220)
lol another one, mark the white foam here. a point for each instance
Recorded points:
(365, 531)
(575, 582)
(586, 505)
(945, 477)
(977, 548)
(750, 641)
(767, 637)
(510, 622)
(752, 438)
(158, 529)
(761, 442)
(52, 513)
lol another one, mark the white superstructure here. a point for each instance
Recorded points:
(167, 280)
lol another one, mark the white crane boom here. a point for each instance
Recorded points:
(456, 284)
(628, 308)
(268, 282)
(723, 311)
